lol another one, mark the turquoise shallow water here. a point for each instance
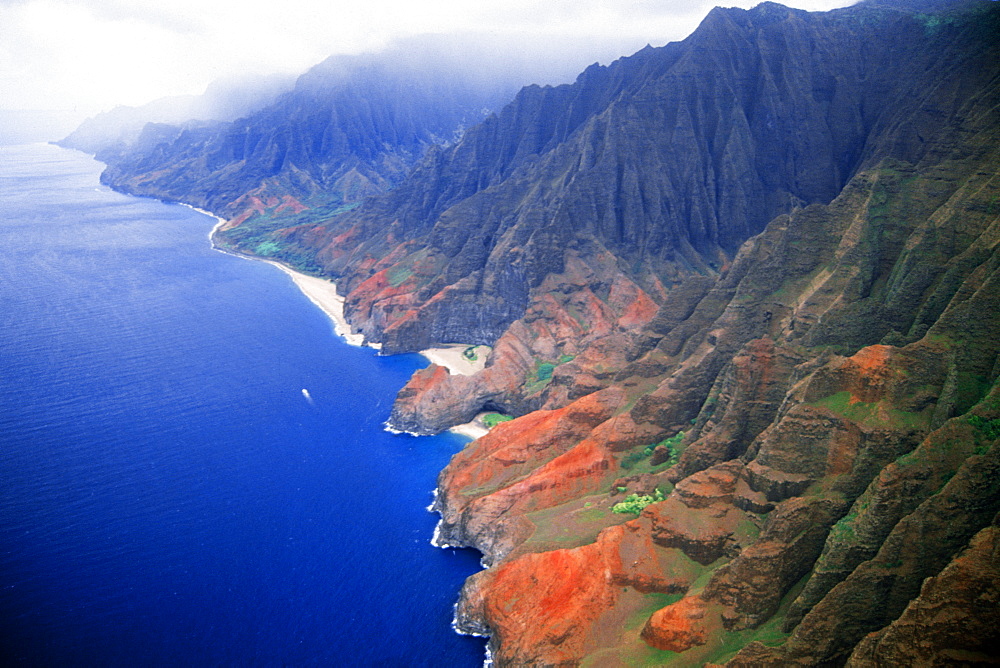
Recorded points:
(169, 496)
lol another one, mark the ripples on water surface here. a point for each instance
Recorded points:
(167, 494)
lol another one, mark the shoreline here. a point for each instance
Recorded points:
(473, 430)
(323, 293)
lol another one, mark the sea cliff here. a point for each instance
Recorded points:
(750, 277)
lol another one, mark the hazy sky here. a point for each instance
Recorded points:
(90, 55)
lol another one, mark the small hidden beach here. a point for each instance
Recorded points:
(459, 359)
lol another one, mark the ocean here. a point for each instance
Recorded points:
(169, 495)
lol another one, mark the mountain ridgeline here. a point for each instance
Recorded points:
(351, 127)
(669, 160)
(742, 295)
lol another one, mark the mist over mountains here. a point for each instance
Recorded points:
(349, 127)
(110, 133)
(746, 284)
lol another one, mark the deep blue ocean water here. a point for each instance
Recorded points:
(168, 496)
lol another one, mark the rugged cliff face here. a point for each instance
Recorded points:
(742, 289)
(111, 134)
(351, 127)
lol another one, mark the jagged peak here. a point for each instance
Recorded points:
(921, 5)
(774, 10)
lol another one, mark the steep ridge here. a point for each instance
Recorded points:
(656, 170)
(845, 339)
(742, 293)
(110, 134)
(351, 127)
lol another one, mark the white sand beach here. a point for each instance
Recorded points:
(323, 293)
(473, 429)
(452, 358)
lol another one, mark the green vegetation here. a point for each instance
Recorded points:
(634, 503)
(969, 391)
(262, 234)
(988, 429)
(397, 274)
(672, 444)
(540, 374)
(934, 23)
(493, 419)
(415, 265)
(843, 530)
(572, 524)
(544, 371)
(874, 414)
(632, 459)
(266, 248)
(470, 353)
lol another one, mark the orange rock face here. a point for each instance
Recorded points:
(676, 627)
(548, 607)
(530, 463)
(547, 621)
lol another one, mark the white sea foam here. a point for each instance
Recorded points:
(436, 538)
(461, 632)
(219, 220)
(392, 430)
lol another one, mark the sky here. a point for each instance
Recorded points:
(85, 56)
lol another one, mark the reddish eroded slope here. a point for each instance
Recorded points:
(534, 462)
(787, 436)
(571, 341)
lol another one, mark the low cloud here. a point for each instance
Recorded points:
(94, 54)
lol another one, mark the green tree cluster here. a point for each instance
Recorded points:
(634, 503)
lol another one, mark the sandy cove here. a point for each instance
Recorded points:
(323, 293)
(453, 358)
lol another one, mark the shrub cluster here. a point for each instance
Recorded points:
(634, 503)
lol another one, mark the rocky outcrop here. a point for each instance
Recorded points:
(675, 628)
(535, 462)
(955, 619)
